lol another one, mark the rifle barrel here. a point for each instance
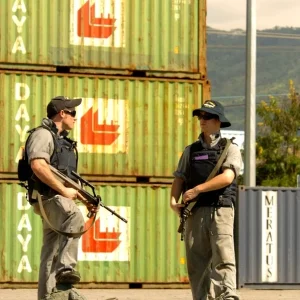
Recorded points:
(113, 212)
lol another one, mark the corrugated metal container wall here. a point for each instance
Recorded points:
(125, 127)
(116, 35)
(146, 250)
(269, 241)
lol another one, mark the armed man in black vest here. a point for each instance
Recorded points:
(47, 145)
(211, 191)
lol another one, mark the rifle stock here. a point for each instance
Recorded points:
(71, 183)
(87, 198)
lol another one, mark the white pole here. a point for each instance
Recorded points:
(250, 113)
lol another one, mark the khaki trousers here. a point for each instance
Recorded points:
(210, 253)
(58, 251)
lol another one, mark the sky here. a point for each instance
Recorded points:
(231, 14)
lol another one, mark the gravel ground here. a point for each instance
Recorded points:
(149, 294)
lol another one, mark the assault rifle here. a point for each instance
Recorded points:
(89, 199)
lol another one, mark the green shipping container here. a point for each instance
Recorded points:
(126, 127)
(164, 38)
(145, 250)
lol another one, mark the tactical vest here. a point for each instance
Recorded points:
(202, 162)
(64, 158)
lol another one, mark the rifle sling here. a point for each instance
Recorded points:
(68, 234)
(213, 172)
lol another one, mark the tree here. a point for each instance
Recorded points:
(278, 147)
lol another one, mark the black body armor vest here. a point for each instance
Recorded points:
(202, 162)
(64, 158)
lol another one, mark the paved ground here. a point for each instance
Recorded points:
(157, 294)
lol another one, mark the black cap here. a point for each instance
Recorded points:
(60, 103)
(215, 108)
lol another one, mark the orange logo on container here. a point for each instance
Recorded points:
(101, 126)
(90, 26)
(97, 241)
(108, 239)
(97, 23)
(95, 133)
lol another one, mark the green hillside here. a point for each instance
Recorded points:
(278, 61)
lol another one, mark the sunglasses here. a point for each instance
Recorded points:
(207, 116)
(70, 112)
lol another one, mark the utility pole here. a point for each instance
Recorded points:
(298, 176)
(250, 107)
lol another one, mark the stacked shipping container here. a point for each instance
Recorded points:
(165, 38)
(127, 127)
(269, 243)
(125, 59)
(110, 252)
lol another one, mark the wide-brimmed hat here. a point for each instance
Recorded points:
(60, 103)
(215, 108)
